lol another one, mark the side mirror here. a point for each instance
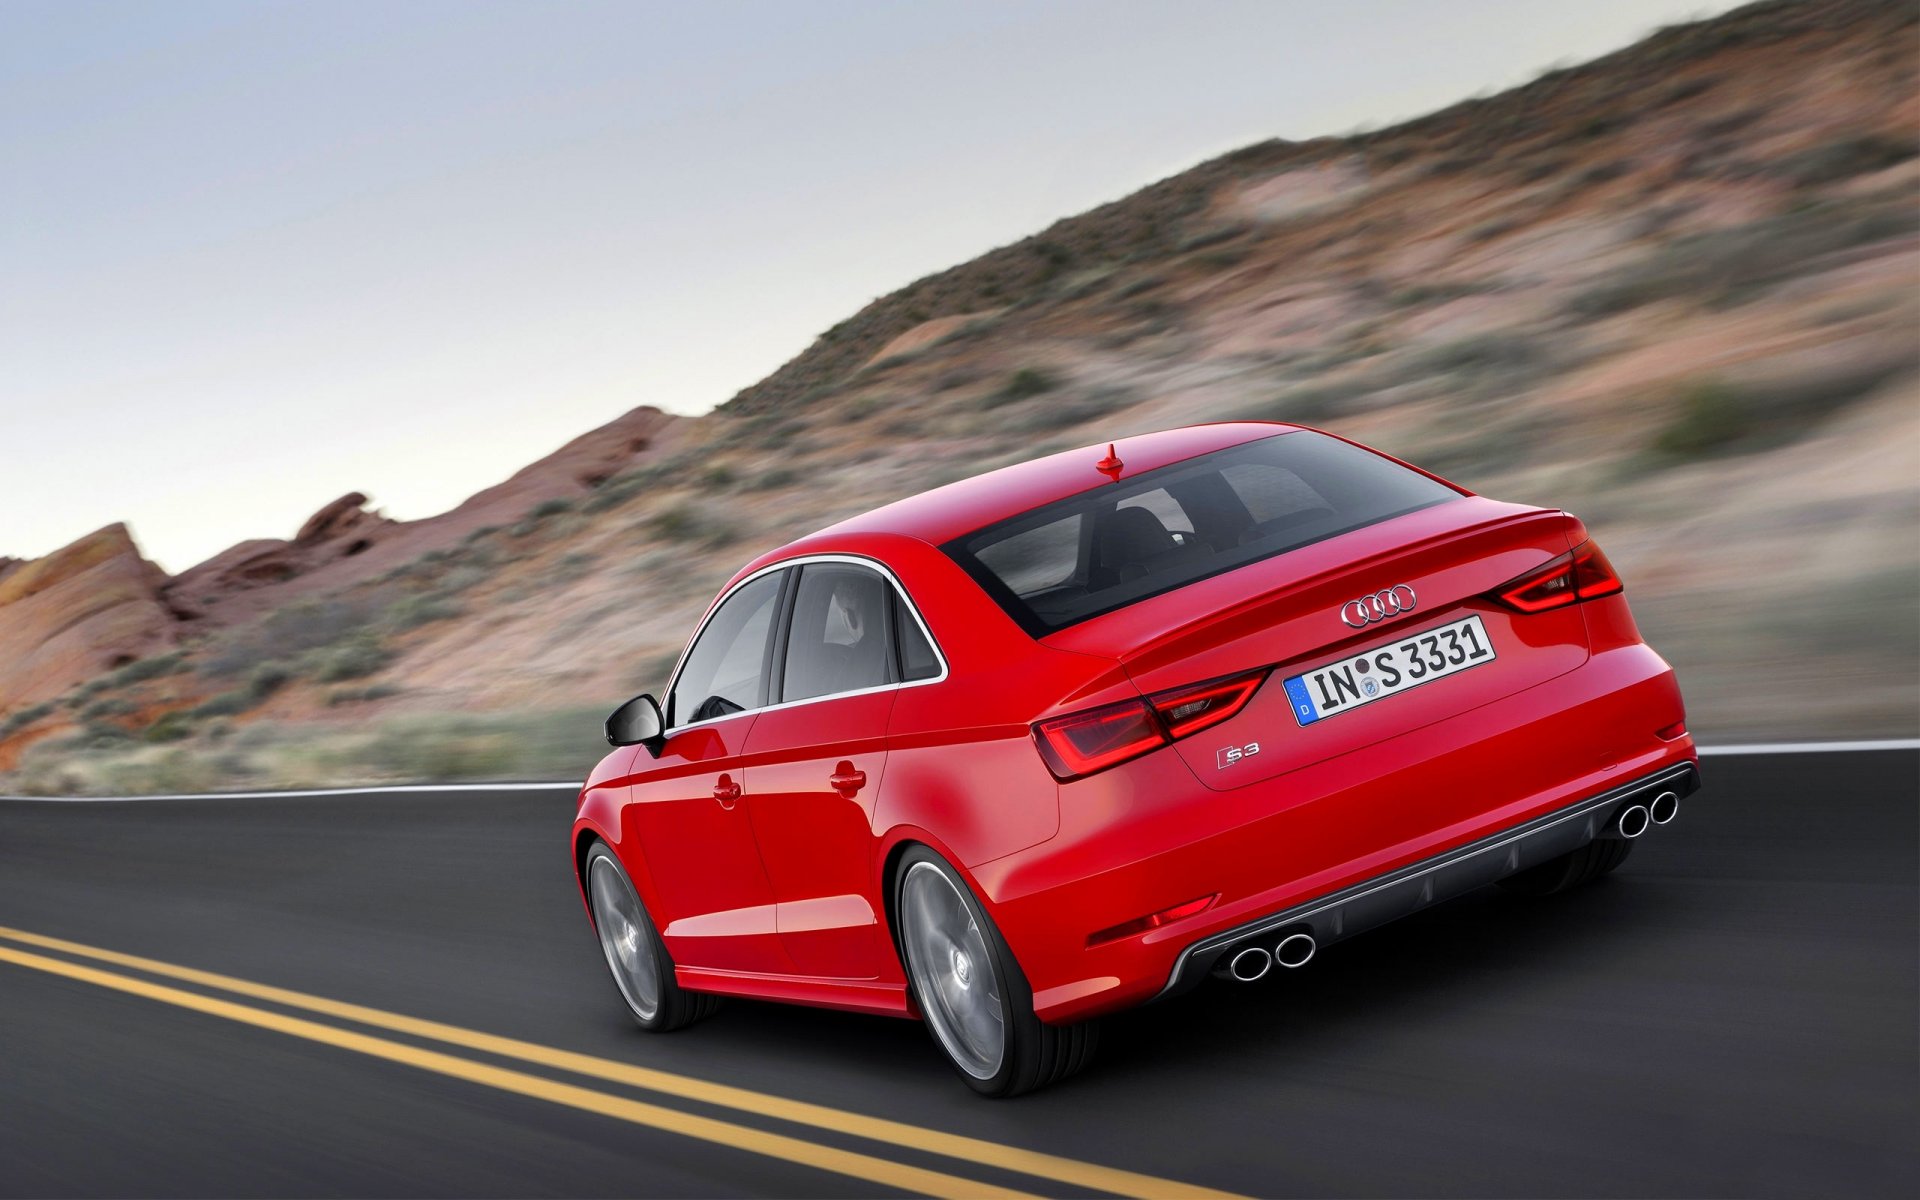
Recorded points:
(636, 723)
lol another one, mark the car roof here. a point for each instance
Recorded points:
(945, 513)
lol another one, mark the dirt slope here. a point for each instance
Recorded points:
(1673, 290)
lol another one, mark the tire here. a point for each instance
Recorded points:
(637, 959)
(968, 986)
(1570, 870)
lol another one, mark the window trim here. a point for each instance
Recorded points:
(783, 618)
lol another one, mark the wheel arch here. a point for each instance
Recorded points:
(586, 832)
(894, 846)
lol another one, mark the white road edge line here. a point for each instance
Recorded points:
(1811, 747)
(1705, 752)
(342, 791)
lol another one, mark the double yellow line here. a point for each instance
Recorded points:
(885, 1172)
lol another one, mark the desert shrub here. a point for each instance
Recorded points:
(550, 508)
(480, 534)
(226, 704)
(178, 772)
(1205, 238)
(573, 566)
(1487, 231)
(169, 727)
(1706, 417)
(292, 631)
(26, 717)
(377, 691)
(881, 366)
(778, 477)
(1417, 294)
(1685, 90)
(105, 708)
(685, 523)
(145, 669)
(96, 735)
(1024, 384)
(1843, 159)
(411, 612)
(1485, 352)
(1225, 258)
(717, 478)
(461, 578)
(1063, 414)
(1605, 172)
(1710, 418)
(774, 435)
(677, 524)
(358, 656)
(1726, 266)
(268, 678)
(431, 750)
(628, 484)
(1311, 404)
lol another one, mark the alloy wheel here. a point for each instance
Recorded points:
(625, 938)
(953, 971)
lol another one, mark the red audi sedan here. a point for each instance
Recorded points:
(1080, 732)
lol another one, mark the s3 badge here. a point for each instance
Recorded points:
(1230, 755)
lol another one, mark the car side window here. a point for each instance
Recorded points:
(726, 670)
(840, 639)
(917, 659)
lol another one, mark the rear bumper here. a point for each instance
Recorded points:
(1455, 872)
(1345, 832)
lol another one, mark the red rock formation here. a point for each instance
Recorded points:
(345, 542)
(86, 608)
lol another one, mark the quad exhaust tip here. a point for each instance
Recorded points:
(1249, 964)
(1295, 950)
(1663, 808)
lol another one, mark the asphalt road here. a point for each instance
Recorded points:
(1733, 1013)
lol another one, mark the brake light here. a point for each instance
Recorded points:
(1098, 738)
(1190, 709)
(1086, 742)
(1583, 574)
(1593, 575)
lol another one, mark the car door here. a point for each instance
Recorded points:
(716, 902)
(814, 765)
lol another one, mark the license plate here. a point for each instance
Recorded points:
(1388, 670)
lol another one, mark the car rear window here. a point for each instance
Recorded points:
(1109, 547)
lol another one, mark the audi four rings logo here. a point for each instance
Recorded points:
(1378, 607)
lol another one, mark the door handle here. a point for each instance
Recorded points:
(726, 791)
(846, 780)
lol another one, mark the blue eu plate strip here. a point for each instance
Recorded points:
(1303, 709)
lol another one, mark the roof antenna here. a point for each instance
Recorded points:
(1110, 466)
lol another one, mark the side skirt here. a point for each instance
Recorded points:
(850, 995)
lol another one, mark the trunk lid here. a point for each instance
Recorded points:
(1284, 612)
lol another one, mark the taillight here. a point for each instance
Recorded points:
(1098, 738)
(1085, 742)
(1190, 709)
(1584, 574)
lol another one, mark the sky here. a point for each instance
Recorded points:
(257, 255)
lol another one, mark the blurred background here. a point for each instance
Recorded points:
(299, 300)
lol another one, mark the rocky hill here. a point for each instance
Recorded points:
(1672, 289)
